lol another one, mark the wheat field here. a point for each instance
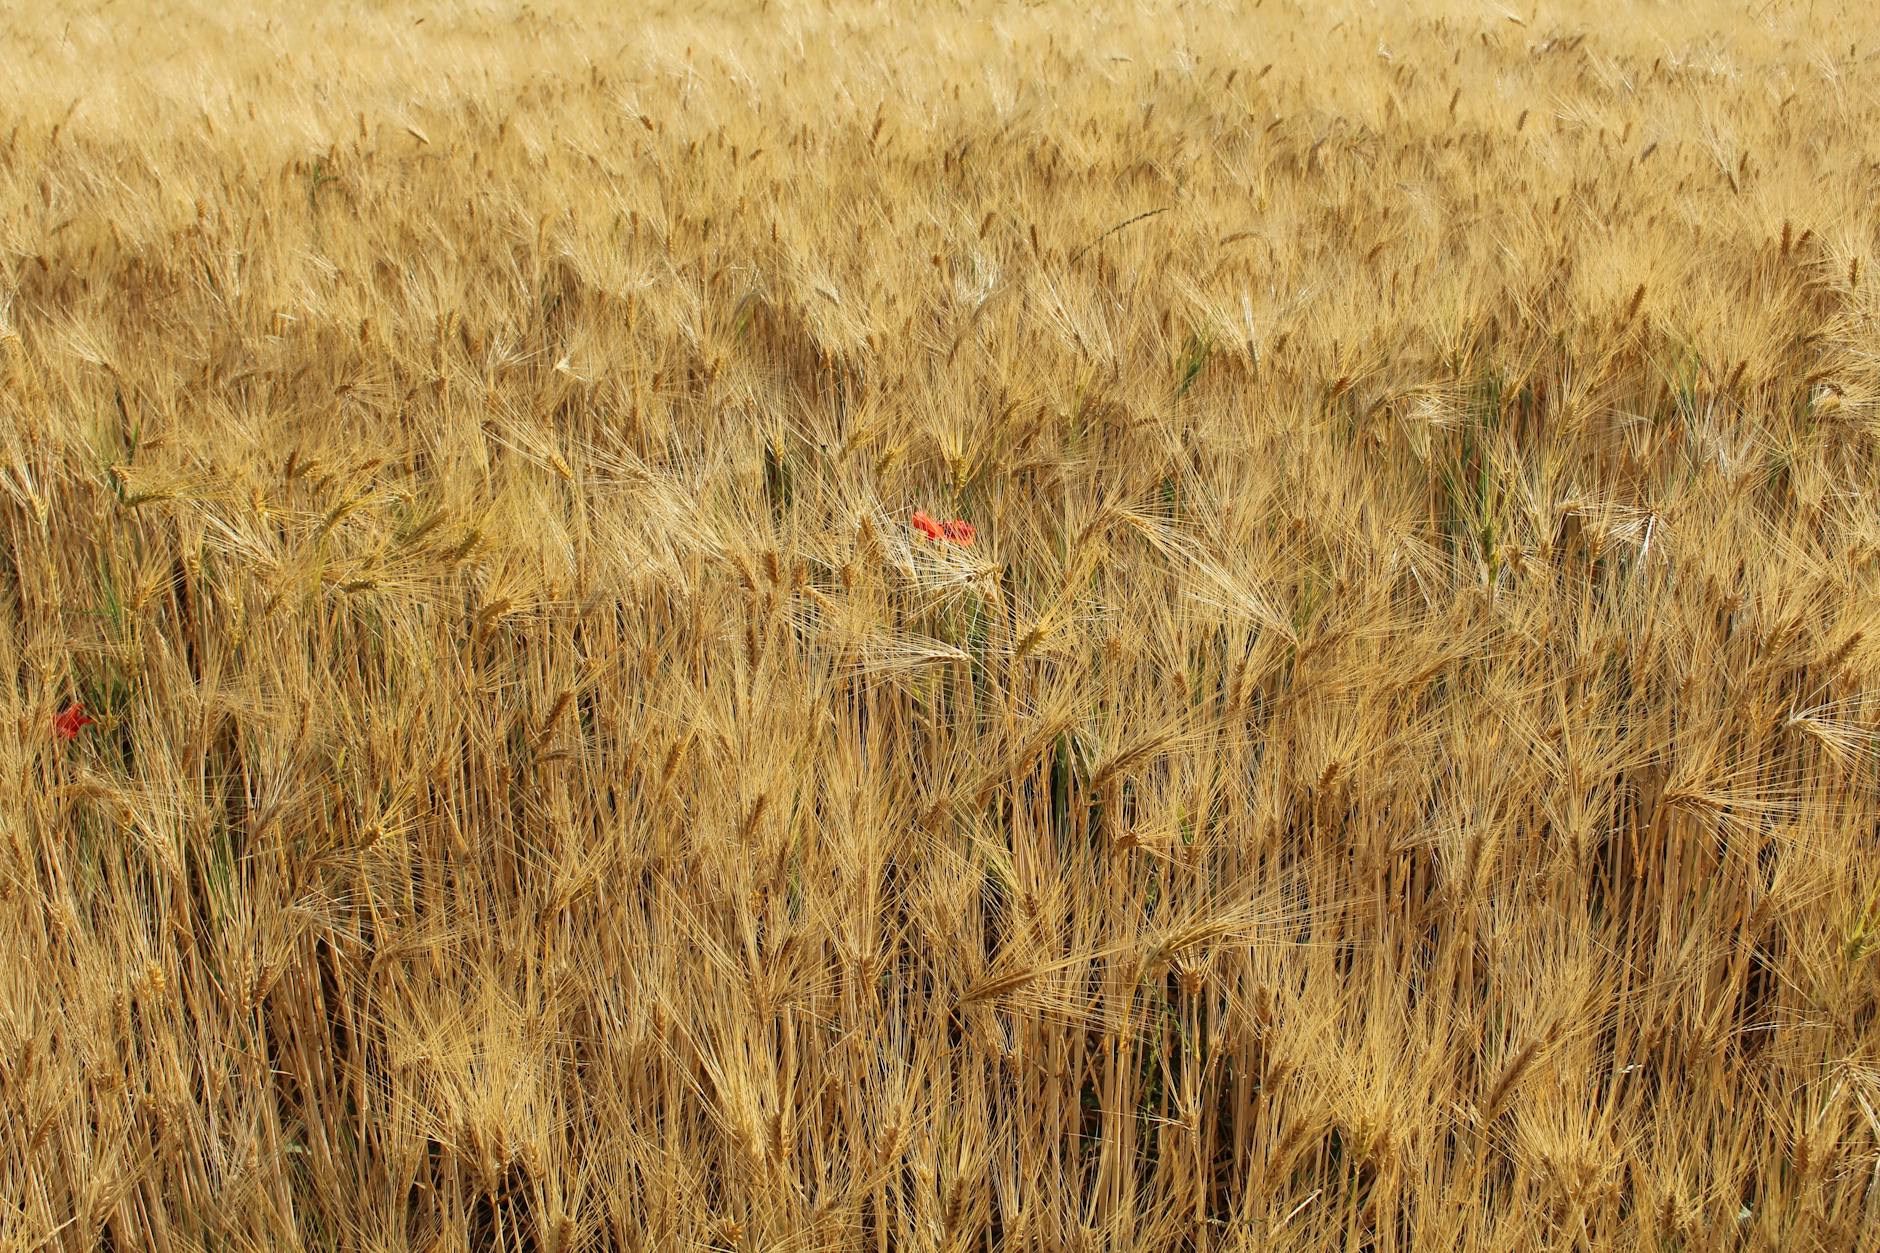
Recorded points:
(815, 626)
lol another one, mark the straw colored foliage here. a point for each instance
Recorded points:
(1396, 766)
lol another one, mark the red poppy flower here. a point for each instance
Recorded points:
(960, 532)
(73, 720)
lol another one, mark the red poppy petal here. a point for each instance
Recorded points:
(70, 721)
